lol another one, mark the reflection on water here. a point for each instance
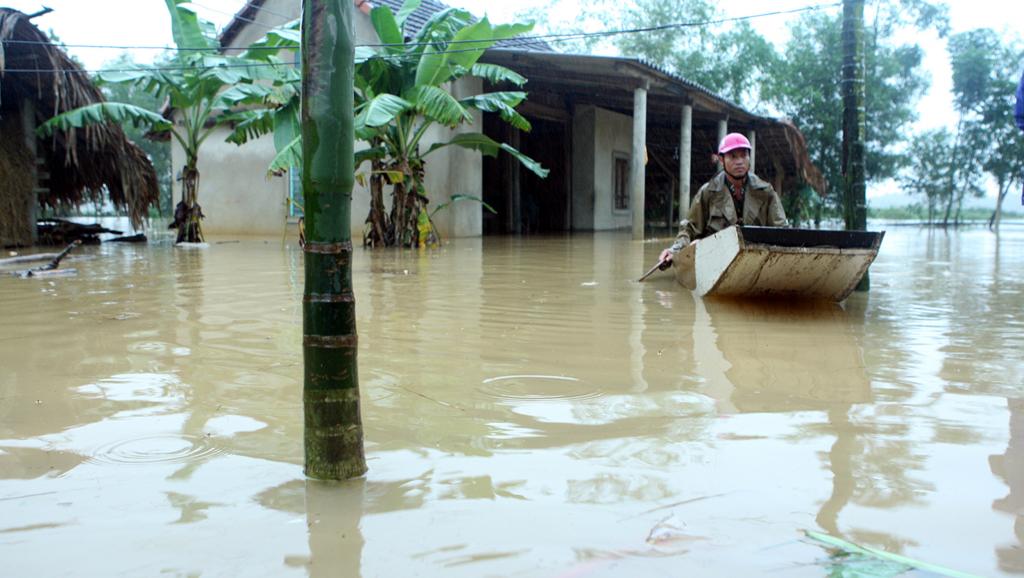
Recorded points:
(530, 410)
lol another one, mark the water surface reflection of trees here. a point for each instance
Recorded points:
(791, 357)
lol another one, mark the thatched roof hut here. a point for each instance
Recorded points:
(37, 81)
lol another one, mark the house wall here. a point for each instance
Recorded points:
(583, 125)
(238, 198)
(598, 136)
(613, 135)
(463, 174)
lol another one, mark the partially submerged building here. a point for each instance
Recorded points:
(37, 81)
(626, 144)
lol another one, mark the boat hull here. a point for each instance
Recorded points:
(778, 263)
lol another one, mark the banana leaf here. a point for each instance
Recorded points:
(853, 561)
(287, 157)
(437, 104)
(490, 147)
(456, 198)
(381, 110)
(187, 28)
(408, 7)
(101, 112)
(387, 29)
(496, 74)
(503, 103)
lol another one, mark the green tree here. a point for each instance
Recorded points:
(973, 57)
(400, 94)
(1004, 161)
(333, 425)
(195, 86)
(730, 59)
(928, 170)
(984, 78)
(805, 86)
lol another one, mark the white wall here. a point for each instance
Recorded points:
(598, 135)
(583, 126)
(237, 196)
(463, 175)
(613, 134)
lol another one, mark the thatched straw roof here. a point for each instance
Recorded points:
(82, 164)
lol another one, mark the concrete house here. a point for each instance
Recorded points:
(626, 144)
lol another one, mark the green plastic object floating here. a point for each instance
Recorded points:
(858, 561)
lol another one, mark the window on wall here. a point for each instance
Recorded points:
(295, 200)
(296, 203)
(621, 176)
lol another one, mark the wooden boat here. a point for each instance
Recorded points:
(776, 262)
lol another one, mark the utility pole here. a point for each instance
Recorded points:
(855, 196)
(333, 425)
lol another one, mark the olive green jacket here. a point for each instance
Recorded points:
(713, 210)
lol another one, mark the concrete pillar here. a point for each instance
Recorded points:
(685, 158)
(636, 170)
(752, 137)
(723, 129)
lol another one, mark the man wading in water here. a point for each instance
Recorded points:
(734, 196)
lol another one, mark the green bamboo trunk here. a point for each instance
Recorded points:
(333, 426)
(854, 121)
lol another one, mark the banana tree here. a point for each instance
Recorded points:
(203, 88)
(400, 95)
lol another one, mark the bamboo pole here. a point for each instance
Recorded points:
(854, 120)
(333, 425)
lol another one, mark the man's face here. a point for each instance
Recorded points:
(737, 163)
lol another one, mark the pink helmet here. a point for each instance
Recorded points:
(733, 140)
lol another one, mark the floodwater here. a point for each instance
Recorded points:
(530, 410)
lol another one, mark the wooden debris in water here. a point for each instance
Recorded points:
(49, 270)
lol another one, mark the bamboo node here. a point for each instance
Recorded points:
(331, 341)
(328, 248)
(344, 297)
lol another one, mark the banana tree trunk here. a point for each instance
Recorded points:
(854, 120)
(333, 425)
(377, 236)
(189, 228)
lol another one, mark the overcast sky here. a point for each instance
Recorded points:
(145, 23)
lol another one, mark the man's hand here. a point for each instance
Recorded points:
(666, 256)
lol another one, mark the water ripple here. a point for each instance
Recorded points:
(537, 388)
(154, 449)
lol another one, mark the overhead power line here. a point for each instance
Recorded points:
(554, 37)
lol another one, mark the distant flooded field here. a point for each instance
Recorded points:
(530, 411)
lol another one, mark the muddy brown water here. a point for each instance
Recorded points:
(530, 410)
